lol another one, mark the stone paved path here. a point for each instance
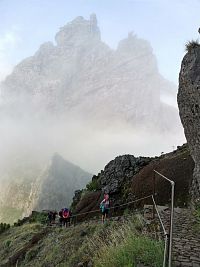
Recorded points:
(186, 240)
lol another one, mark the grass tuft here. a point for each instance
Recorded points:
(190, 45)
(126, 246)
(196, 226)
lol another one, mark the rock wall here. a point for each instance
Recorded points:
(189, 109)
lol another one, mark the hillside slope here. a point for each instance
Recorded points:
(37, 245)
(127, 178)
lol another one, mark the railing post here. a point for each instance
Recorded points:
(164, 231)
(154, 193)
(165, 251)
(171, 218)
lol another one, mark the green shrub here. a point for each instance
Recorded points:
(196, 226)
(38, 217)
(130, 252)
(7, 243)
(197, 213)
(31, 254)
(126, 212)
(92, 186)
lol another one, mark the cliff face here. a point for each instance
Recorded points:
(189, 107)
(40, 188)
(81, 76)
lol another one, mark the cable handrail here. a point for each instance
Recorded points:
(164, 230)
(163, 227)
(114, 207)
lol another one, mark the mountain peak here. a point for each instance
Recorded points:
(78, 31)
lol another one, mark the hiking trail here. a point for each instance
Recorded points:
(186, 239)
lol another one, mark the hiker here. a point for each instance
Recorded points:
(60, 217)
(66, 217)
(50, 217)
(104, 206)
(54, 213)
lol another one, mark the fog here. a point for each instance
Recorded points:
(85, 144)
(87, 102)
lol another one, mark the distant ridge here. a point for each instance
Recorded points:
(51, 188)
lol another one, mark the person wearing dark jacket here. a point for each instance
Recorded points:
(60, 214)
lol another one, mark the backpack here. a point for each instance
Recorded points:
(102, 207)
(66, 213)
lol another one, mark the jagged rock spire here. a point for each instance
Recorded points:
(78, 31)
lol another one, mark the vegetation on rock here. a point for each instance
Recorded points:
(191, 45)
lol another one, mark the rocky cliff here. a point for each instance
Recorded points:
(189, 106)
(81, 76)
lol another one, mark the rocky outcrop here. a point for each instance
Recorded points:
(119, 171)
(189, 106)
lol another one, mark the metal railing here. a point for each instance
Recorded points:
(171, 218)
(164, 231)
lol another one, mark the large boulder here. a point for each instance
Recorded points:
(120, 170)
(189, 107)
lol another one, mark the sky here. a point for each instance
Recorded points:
(166, 24)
